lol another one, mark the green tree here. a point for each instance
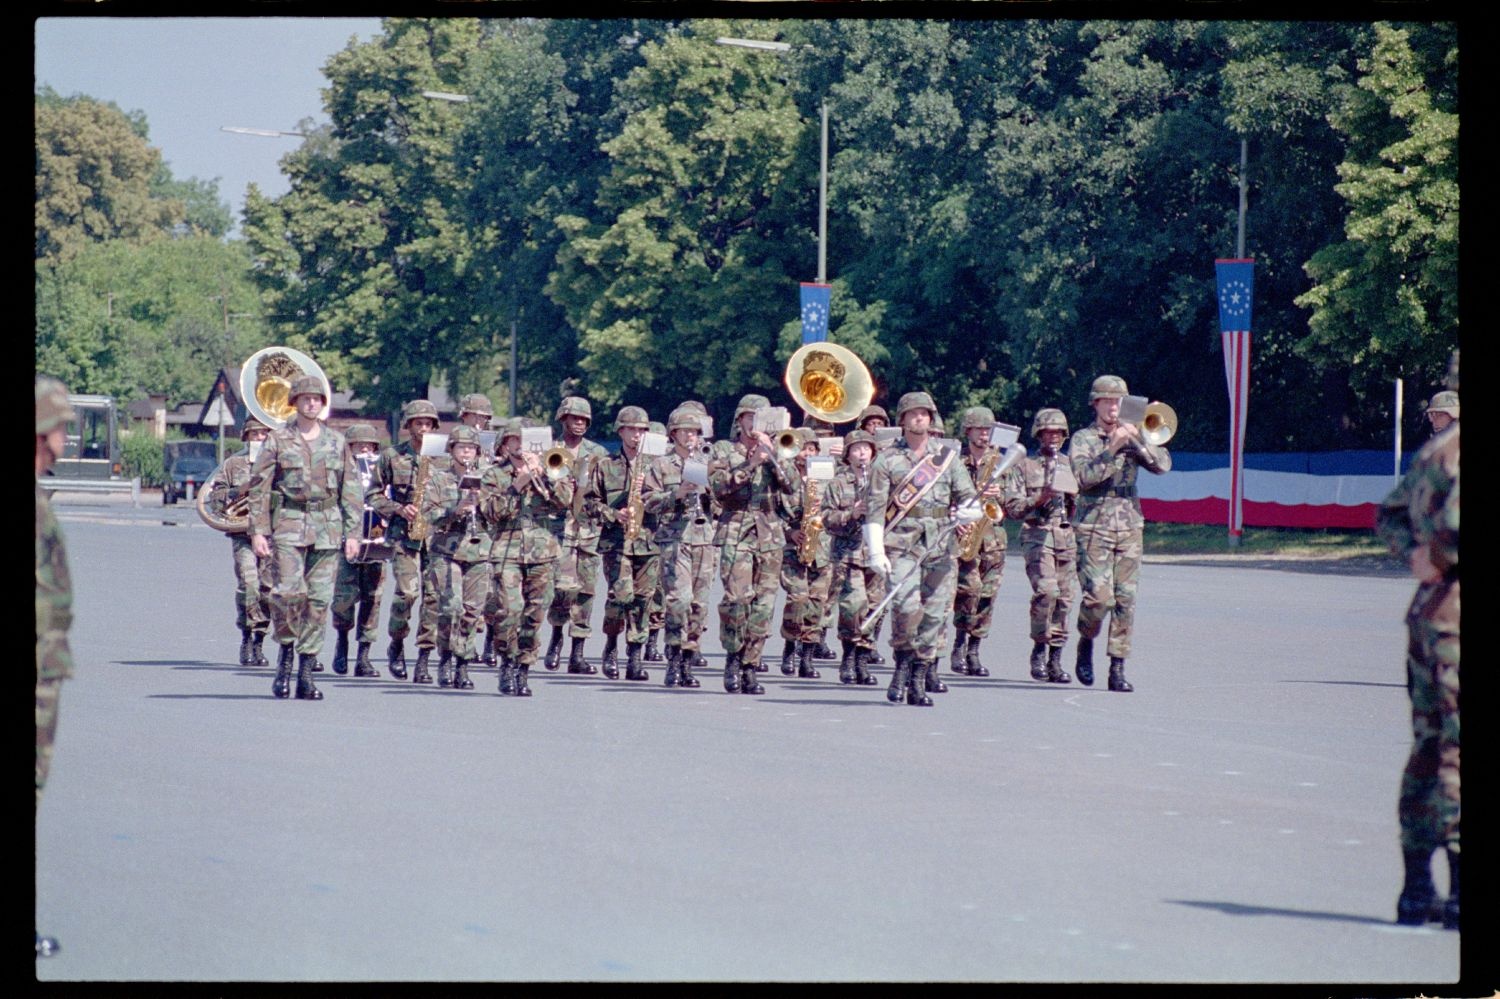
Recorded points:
(1385, 298)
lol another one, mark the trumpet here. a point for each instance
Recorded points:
(788, 444)
(557, 461)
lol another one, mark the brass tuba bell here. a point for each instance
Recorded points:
(231, 517)
(266, 383)
(1159, 424)
(829, 381)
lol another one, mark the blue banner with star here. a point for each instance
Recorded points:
(1236, 283)
(815, 299)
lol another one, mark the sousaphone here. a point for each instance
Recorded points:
(829, 381)
(266, 383)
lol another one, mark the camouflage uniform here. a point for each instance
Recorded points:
(631, 568)
(356, 586)
(1109, 525)
(305, 498)
(391, 489)
(685, 534)
(807, 586)
(460, 548)
(54, 592)
(979, 578)
(1422, 515)
(921, 543)
(751, 538)
(1048, 540)
(577, 567)
(525, 555)
(252, 575)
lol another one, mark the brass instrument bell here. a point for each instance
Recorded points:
(1159, 424)
(829, 381)
(266, 383)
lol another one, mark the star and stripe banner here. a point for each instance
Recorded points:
(1236, 283)
(815, 299)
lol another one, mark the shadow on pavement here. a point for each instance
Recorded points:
(177, 663)
(1237, 909)
(1349, 683)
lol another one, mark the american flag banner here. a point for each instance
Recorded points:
(1236, 282)
(815, 299)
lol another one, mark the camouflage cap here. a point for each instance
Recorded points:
(915, 400)
(979, 417)
(870, 411)
(632, 416)
(1048, 419)
(1107, 387)
(694, 406)
(507, 428)
(806, 436)
(475, 402)
(658, 428)
(854, 437)
(683, 418)
(52, 406)
(463, 434)
(362, 433)
(417, 409)
(575, 405)
(1444, 402)
(307, 385)
(251, 423)
(749, 404)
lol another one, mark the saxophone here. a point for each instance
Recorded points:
(812, 523)
(635, 506)
(419, 529)
(968, 548)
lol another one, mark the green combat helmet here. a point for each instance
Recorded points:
(1049, 419)
(52, 406)
(1444, 402)
(575, 405)
(977, 417)
(477, 403)
(251, 423)
(307, 385)
(854, 437)
(360, 433)
(683, 418)
(632, 416)
(915, 400)
(418, 409)
(749, 404)
(463, 434)
(1107, 387)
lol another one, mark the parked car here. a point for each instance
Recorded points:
(188, 466)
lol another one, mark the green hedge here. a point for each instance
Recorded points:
(142, 454)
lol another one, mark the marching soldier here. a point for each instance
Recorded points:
(252, 576)
(806, 567)
(656, 614)
(747, 479)
(631, 560)
(578, 538)
(358, 583)
(460, 549)
(871, 419)
(519, 498)
(979, 577)
(912, 486)
(1106, 457)
(304, 497)
(1043, 500)
(856, 587)
(1420, 522)
(684, 515)
(475, 410)
(1442, 411)
(393, 494)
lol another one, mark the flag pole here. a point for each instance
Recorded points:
(1237, 473)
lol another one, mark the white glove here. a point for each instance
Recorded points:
(875, 545)
(969, 511)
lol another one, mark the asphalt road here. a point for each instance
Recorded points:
(1233, 820)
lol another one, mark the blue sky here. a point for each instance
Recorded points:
(193, 75)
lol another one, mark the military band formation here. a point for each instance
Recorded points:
(495, 555)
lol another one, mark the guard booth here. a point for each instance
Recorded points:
(92, 447)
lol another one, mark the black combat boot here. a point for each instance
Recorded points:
(395, 658)
(674, 667)
(916, 689)
(1450, 907)
(862, 674)
(732, 673)
(931, 681)
(609, 663)
(846, 665)
(523, 673)
(976, 668)
(1039, 660)
(551, 659)
(652, 653)
(822, 651)
(633, 668)
(1083, 665)
(341, 652)
(1415, 903)
(761, 667)
(419, 672)
(874, 658)
(247, 647)
(806, 652)
(749, 684)
(445, 677)
(317, 665)
(282, 685)
(507, 674)
(255, 645)
(900, 677)
(789, 656)
(1055, 672)
(362, 664)
(306, 667)
(1117, 681)
(488, 655)
(576, 662)
(960, 662)
(461, 679)
(686, 677)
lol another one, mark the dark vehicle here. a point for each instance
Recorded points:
(188, 465)
(91, 449)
